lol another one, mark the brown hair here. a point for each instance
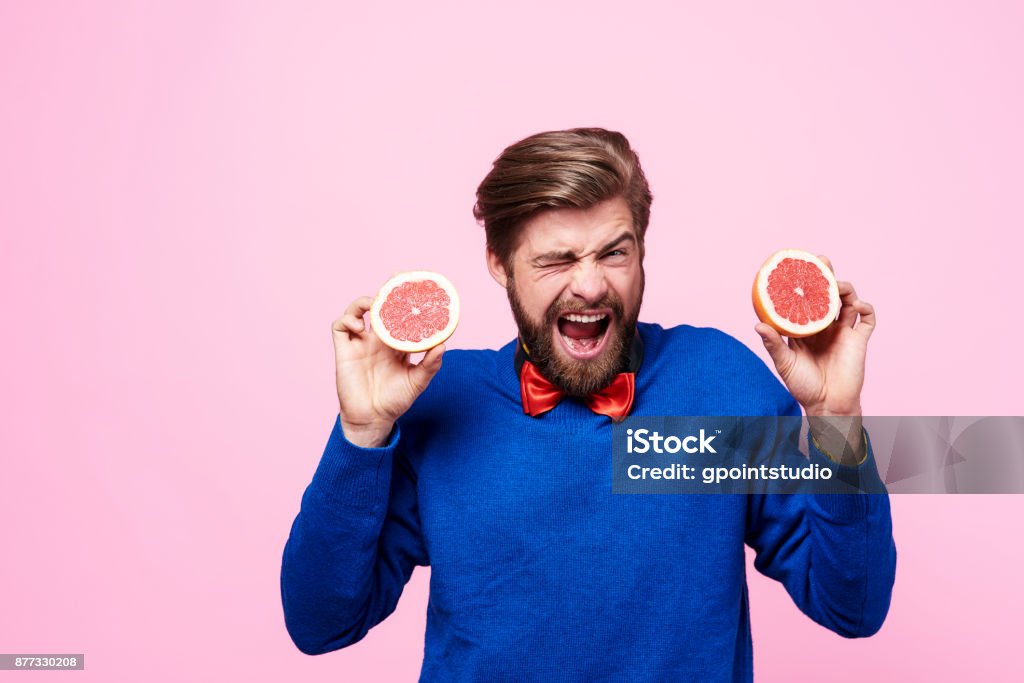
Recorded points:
(573, 168)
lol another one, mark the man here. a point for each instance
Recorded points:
(493, 469)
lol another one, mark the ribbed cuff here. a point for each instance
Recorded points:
(848, 483)
(353, 474)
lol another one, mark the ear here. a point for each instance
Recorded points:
(497, 269)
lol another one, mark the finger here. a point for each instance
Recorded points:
(424, 371)
(350, 324)
(781, 353)
(827, 263)
(352, 319)
(359, 307)
(848, 299)
(867, 319)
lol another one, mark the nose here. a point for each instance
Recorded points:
(588, 282)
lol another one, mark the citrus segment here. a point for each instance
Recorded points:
(415, 311)
(796, 293)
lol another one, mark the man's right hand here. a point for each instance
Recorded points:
(376, 384)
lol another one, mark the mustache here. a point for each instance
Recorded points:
(560, 308)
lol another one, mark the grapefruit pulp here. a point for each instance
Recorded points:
(415, 311)
(796, 293)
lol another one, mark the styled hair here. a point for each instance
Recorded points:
(574, 168)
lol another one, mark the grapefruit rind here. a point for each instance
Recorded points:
(765, 309)
(434, 339)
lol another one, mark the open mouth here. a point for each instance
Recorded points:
(584, 334)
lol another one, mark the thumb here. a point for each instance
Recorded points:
(774, 344)
(425, 370)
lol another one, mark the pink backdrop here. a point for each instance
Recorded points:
(193, 191)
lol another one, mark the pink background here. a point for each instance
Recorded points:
(193, 191)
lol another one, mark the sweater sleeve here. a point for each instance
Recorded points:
(352, 546)
(833, 552)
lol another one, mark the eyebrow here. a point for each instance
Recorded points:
(569, 255)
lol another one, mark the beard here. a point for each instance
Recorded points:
(576, 377)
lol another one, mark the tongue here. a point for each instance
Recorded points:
(580, 330)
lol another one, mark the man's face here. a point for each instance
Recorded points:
(575, 285)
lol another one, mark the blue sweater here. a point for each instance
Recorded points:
(539, 571)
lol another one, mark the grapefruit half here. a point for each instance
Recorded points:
(415, 311)
(796, 293)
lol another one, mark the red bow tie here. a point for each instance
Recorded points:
(539, 395)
